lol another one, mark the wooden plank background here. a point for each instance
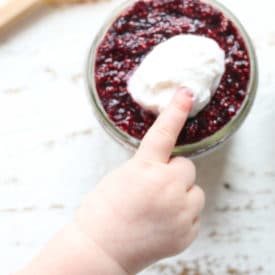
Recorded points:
(53, 151)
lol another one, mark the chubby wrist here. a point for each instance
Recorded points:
(98, 261)
(71, 252)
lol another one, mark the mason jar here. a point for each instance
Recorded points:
(192, 150)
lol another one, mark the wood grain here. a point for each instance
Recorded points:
(53, 151)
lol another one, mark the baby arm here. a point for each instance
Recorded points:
(144, 211)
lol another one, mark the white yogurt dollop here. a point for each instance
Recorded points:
(185, 60)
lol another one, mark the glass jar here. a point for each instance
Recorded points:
(190, 150)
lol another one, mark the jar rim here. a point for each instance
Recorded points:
(193, 149)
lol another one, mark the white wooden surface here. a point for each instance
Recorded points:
(53, 151)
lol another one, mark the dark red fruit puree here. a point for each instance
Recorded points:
(144, 25)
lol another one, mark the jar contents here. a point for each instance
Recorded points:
(137, 31)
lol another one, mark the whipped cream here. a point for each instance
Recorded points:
(185, 60)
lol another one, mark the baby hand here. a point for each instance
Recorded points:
(148, 208)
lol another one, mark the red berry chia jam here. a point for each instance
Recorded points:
(144, 25)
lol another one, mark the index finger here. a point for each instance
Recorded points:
(161, 138)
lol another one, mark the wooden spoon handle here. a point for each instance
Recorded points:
(13, 9)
